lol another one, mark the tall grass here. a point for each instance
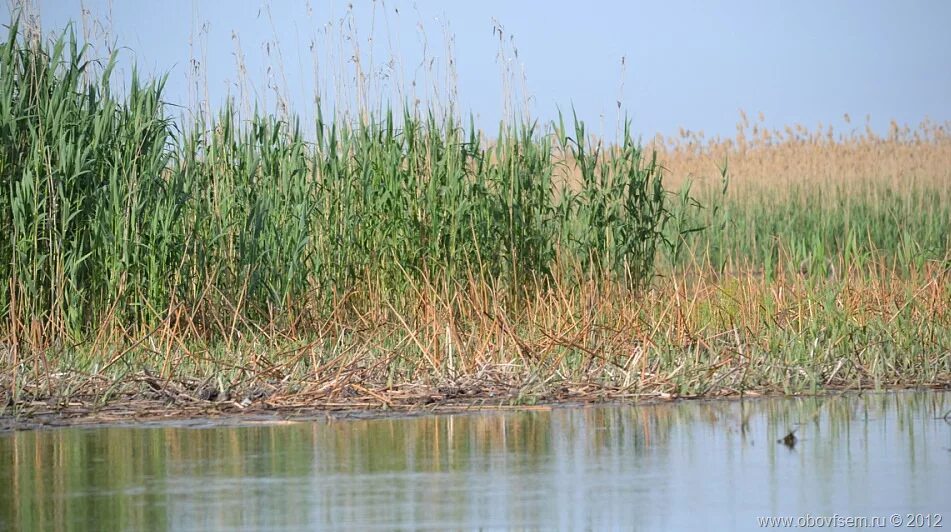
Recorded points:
(822, 229)
(798, 156)
(404, 257)
(117, 217)
(86, 205)
(814, 200)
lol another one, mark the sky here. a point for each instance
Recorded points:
(686, 64)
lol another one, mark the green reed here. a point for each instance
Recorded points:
(85, 198)
(114, 214)
(820, 229)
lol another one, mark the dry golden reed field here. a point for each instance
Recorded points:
(801, 156)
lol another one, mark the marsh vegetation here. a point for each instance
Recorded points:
(405, 258)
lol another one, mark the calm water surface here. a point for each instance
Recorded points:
(687, 465)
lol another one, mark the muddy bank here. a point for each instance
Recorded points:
(171, 404)
(353, 402)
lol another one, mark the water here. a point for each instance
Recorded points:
(687, 465)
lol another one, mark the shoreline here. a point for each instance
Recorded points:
(414, 264)
(736, 336)
(142, 412)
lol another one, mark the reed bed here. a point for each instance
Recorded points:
(118, 216)
(404, 260)
(698, 337)
(824, 229)
(797, 156)
(813, 199)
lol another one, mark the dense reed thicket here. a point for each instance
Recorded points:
(816, 200)
(114, 214)
(821, 229)
(405, 259)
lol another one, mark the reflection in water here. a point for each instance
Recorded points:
(680, 465)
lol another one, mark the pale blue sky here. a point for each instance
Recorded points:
(688, 64)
